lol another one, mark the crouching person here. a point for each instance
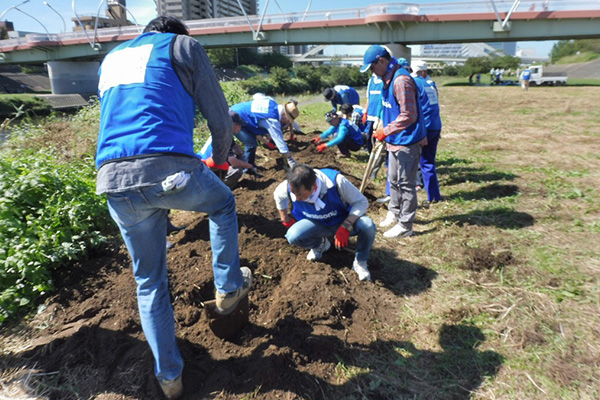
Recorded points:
(325, 204)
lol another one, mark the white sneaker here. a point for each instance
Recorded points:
(316, 254)
(360, 267)
(172, 389)
(390, 219)
(398, 231)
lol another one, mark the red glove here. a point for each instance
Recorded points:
(364, 118)
(379, 135)
(316, 140)
(290, 222)
(210, 163)
(341, 237)
(271, 146)
(321, 148)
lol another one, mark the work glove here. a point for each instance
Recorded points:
(316, 140)
(291, 221)
(364, 118)
(341, 237)
(321, 148)
(271, 146)
(218, 169)
(379, 135)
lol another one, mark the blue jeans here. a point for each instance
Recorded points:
(250, 144)
(141, 215)
(308, 234)
(430, 179)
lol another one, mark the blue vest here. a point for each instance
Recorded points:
(255, 110)
(354, 132)
(144, 107)
(429, 103)
(345, 94)
(391, 110)
(334, 212)
(526, 75)
(374, 89)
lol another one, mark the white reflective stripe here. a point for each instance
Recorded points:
(260, 105)
(124, 67)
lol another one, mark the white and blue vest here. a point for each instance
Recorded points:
(144, 107)
(261, 107)
(391, 110)
(428, 97)
(374, 89)
(334, 212)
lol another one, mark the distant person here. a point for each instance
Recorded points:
(149, 88)
(524, 78)
(341, 94)
(404, 133)
(429, 98)
(345, 135)
(264, 116)
(354, 114)
(324, 204)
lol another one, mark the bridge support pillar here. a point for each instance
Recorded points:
(73, 77)
(399, 50)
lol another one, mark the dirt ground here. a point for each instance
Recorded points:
(303, 315)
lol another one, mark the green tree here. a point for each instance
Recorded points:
(281, 79)
(564, 48)
(224, 57)
(476, 65)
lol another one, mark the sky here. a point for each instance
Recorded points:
(44, 17)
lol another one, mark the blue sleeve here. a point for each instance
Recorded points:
(328, 132)
(342, 132)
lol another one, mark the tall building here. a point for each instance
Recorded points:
(203, 9)
(116, 15)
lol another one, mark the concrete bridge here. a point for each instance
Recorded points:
(400, 24)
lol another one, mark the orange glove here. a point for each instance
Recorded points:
(271, 146)
(321, 148)
(290, 222)
(210, 163)
(316, 140)
(379, 135)
(364, 118)
(341, 237)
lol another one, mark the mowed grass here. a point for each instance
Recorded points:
(512, 254)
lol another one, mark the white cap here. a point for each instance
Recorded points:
(419, 66)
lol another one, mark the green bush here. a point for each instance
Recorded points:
(259, 84)
(32, 105)
(49, 216)
(235, 92)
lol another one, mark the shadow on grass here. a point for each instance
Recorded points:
(489, 192)
(501, 217)
(457, 175)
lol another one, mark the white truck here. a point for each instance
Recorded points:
(541, 77)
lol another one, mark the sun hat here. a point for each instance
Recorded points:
(419, 66)
(291, 109)
(373, 53)
(329, 93)
(331, 115)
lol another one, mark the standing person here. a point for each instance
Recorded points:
(346, 135)
(148, 90)
(265, 117)
(428, 95)
(235, 157)
(525, 77)
(405, 134)
(324, 204)
(341, 94)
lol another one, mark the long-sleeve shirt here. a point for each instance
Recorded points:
(349, 194)
(192, 66)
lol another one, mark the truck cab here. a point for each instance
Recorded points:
(540, 77)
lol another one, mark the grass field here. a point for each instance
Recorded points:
(515, 245)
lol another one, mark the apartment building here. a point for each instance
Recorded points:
(203, 9)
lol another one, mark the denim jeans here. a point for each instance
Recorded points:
(141, 215)
(430, 179)
(308, 234)
(250, 144)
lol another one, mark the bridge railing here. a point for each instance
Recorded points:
(461, 7)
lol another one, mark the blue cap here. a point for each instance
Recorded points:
(402, 62)
(373, 53)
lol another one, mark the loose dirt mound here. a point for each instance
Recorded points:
(305, 317)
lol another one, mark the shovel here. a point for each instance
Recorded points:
(227, 326)
(373, 157)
